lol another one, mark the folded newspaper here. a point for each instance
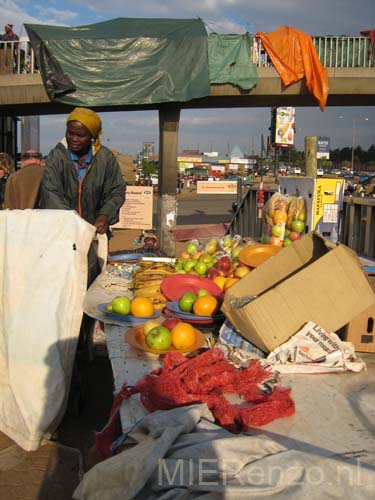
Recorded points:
(314, 350)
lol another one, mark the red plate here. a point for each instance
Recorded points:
(174, 286)
(135, 337)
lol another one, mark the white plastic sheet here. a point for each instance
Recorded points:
(43, 280)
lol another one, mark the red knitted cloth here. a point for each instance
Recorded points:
(206, 378)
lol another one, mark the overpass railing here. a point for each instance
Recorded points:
(334, 52)
(356, 223)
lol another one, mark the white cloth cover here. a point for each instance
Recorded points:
(43, 280)
(181, 454)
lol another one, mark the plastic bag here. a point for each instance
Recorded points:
(284, 218)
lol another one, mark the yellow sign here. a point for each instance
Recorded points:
(327, 201)
(136, 212)
(190, 159)
(216, 187)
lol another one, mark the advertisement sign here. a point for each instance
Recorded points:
(323, 147)
(284, 126)
(136, 212)
(327, 204)
(190, 159)
(216, 187)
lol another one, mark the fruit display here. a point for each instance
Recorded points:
(283, 220)
(147, 279)
(214, 258)
(138, 307)
(203, 304)
(176, 333)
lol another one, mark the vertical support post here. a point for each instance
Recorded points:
(169, 120)
(311, 148)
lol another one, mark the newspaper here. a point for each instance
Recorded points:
(314, 350)
(236, 348)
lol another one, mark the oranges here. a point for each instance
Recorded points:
(220, 281)
(183, 335)
(229, 283)
(279, 217)
(142, 307)
(206, 305)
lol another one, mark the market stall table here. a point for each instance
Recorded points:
(335, 412)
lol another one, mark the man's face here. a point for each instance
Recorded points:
(78, 137)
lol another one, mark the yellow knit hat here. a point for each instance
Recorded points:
(90, 120)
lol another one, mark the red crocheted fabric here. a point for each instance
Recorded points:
(205, 378)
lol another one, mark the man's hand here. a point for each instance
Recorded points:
(101, 224)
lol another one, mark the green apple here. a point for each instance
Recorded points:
(186, 301)
(202, 292)
(192, 248)
(189, 264)
(159, 338)
(121, 305)
(200, 268)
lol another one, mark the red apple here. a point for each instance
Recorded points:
(294, 236)
(224, 263)
(212, 272)
(171, 322)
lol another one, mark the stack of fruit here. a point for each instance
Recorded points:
(139, 307)
(284, 220)
(146, 282)
(172, 332)
(216, 258)
(201, 304)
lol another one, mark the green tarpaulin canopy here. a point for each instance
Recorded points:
(129, 61)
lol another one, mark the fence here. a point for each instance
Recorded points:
(334, 51)
(356, 224)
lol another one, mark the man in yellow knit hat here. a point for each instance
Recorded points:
(83, 175)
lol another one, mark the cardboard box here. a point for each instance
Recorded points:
(311, 280)
(361, 331)
(323, 199)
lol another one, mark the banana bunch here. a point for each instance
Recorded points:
(146, 282)
(296, 211)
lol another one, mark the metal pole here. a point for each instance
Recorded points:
(353, 139)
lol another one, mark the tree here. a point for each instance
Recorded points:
(148, 168)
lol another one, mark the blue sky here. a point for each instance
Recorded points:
(216, 130)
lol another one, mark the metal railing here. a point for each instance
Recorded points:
(333, 52)
(356, 222)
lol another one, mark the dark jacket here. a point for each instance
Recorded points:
(101, 192)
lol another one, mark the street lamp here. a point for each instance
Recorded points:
(355, 120)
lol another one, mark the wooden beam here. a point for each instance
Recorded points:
(169, 120)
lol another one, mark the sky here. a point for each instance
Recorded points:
(213, 130)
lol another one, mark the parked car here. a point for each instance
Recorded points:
(320, 171)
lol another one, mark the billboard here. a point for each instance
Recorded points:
(323, 148)
(283, 126)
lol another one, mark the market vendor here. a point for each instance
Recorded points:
(83, 175)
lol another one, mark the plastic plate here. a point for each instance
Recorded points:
(173, 287)
(124, 257)
(255, 255)
(175, 308)
(126, 319)
(135, 337)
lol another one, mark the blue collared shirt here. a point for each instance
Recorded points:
(81, 168)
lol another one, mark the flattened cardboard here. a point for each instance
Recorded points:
(311, 280)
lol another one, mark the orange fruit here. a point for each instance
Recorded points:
(220, 281)
(229, 283)
(205, 306)
(183, 335)
(142, 307)
(279, 217)
(185, 255)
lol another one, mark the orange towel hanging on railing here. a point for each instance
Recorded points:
(294, 56)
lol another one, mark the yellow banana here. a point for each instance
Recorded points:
(147, 291)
